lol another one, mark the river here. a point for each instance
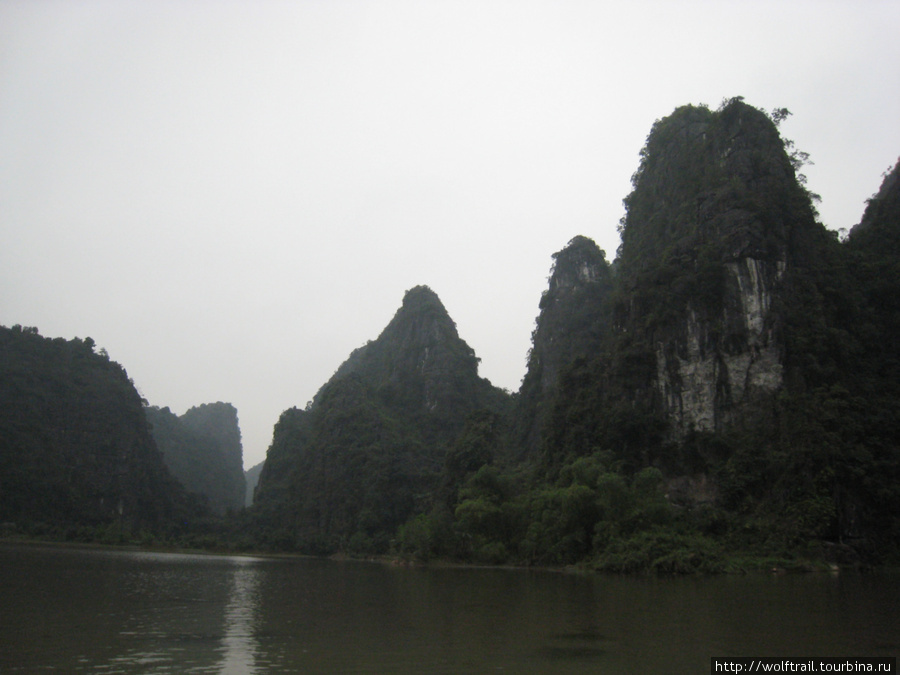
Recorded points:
(85, 610)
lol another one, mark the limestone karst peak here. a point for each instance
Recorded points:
(880, 224)
(580, 262)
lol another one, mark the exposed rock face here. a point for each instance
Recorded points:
(701, 378)
(571, 324)
(712, 226)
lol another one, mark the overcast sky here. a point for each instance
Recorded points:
(229, 197)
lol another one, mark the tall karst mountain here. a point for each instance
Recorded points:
(716, 242)
(75, 449)
(731, 377)
(571, 325)
(716, 224)
(875, 243)
(369, 450)
(878, 229)
(202, 449)
(740, 350)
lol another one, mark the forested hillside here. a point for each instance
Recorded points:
(371, 448)
(724, 394)
(76, 456)
(728, 387)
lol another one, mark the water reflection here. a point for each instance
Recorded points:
(95, 611)
(186, 613)
(120, 612)
(240, 640)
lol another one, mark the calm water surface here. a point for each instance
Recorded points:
(75, 610)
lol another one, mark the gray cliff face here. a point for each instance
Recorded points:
(701, 378)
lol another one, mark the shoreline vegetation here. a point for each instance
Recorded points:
(737, 563)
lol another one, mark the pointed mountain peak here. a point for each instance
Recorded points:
(708, 182)
(422, 305)
(879, 228)
(421, 295)
(420, 344)
(580, 262)
(421, 321)
(572, 318)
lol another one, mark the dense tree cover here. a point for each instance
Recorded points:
(574, 315)
(369, 450)
(723, 264)
(202, 449)
(76, 456)
(727, 390)
(807, 467)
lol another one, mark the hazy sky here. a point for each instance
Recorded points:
(229, 197)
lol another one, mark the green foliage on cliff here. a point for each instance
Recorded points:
(76, 455)
(376, 445)
(574, 316)
(805, 468)
(598, 462)
(730, 384)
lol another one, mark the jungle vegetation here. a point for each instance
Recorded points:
(601, 459)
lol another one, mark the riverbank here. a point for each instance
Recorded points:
(737, 563)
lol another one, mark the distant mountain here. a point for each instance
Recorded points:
(202, 449)
(75, 449)
(369, 450)
(251, 477)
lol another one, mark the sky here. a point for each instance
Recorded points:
(230, 196)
